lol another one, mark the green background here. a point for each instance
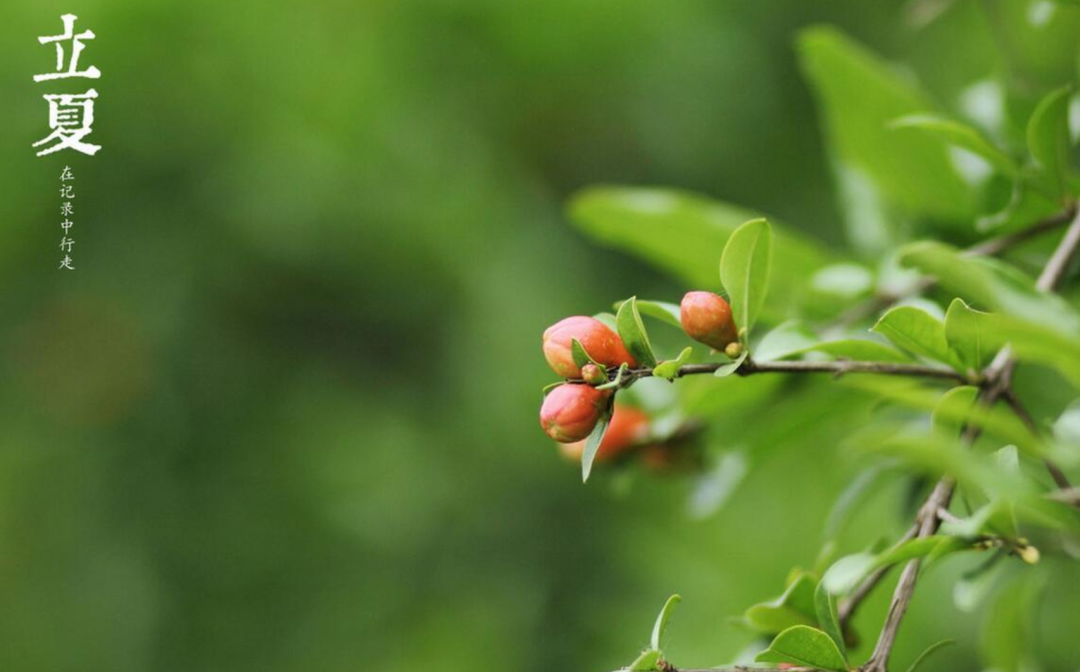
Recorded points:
(283, 415)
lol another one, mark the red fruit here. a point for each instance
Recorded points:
(570, 412)
(706, 318)
(629, 427)
(602, 344)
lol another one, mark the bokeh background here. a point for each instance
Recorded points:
(283, 415)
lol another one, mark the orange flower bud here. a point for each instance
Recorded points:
(570, 412)
(602, 344)
(629, 427)
(593, 374)
(706, 318)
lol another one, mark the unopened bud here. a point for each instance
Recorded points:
(601, 343)
(593, 374)
(1028, 554)
(733, 350)
(570, 412)
(706, 318)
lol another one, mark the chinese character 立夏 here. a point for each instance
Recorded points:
(76, 49)
(70, 118)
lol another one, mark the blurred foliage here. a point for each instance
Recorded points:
(260, 427)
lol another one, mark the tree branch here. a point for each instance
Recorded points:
(996, 384)
(837, 368)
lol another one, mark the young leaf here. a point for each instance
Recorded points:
(916, 331)
(927, 652)
(581, 357)
(785, 340)
(744, 271)
(592, 445)
(731, 367)
(632, 332)
(794, 607)
(1048, 136)
(1037, 343)
(617, 381)
(669, 369)
(806, 646)
(964, 333)
(959, 135)
(825, 606)
(662, 620)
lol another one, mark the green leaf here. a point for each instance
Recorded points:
(785, 340)
(860, 349)
(848, 572)
(683, 234)
(592, 445)
(859, 94)
(794, 607)
(731, 367)
(955, 409)
(669, 369)
(991, 284)
(646, 662)
(1048, 136)
(927, 652)
(804, 645)
(662, 620)
(744, 271)
(851, 498)
(633, 334)
(959, 135)
(916, 331)
(669, 313)
(617, 381)
(825, 606)
(1009, 633)
(1036, 343)
(581, 357)
(964, 327)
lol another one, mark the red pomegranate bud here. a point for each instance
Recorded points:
(570, 412)
(706, 318)
(602, 344)
(593, 374)
(629, 427)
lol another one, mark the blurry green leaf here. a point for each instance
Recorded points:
(959, 135)
(550, 387)
(848, 572)
(785, 340)
(964, 333)
(633, 334)
(592, 445)
(669, 369)
(991, 284)
(794, 607)
(859, 95)
(845, 280)
(1009, 630)
(684, 235)
(954, 410)
(715, 487)
(1036, 343)
(917, 332)
(804, 645)
(662, 620)
(581, 357)
(661, 310)
(646, 662)
(731, 367)
(921, 658)
(744, 271)
(608, 319)
(1048, 136)
(825, 606)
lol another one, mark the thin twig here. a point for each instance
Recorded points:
(837, 368)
